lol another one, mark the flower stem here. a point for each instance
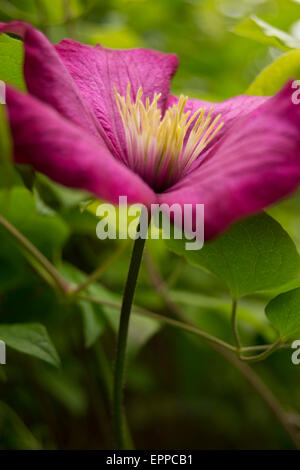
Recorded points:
(107, 381)
(119, 376)
(235, 325)
(260, 357)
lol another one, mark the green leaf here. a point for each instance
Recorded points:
(55, 12)
(47, 232)
(257, 29)
(5, 150)
(255, 254)
(56, 193)
(32, 339)
(93, 321)
(13, 12)
(273, 77)
(11, 61)
(14, 433)
(284, 313)
(114, 36)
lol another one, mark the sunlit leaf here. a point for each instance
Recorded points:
(273, 77)
(257, 29)
(115, 37)
(11, 61)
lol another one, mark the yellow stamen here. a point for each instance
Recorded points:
(163, 149)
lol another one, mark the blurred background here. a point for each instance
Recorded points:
(181, 394)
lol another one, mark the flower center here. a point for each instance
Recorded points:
(162, 149)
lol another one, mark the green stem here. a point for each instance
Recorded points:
(263, 355)
(168, 321)
(41, 260)
(235, 325)
(107, 380)
(180, 325)
(119, 376)
(105, 371)
(42, 15)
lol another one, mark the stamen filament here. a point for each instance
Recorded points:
(162, 149)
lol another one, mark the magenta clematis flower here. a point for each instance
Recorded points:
(103, 120)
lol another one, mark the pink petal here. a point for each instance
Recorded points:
(68, 154)
(255, 163)
(97, 70)
(48, 79)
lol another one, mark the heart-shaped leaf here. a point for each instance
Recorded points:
(255, 254)
(284, 313)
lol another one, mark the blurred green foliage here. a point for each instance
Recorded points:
(181, 393)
